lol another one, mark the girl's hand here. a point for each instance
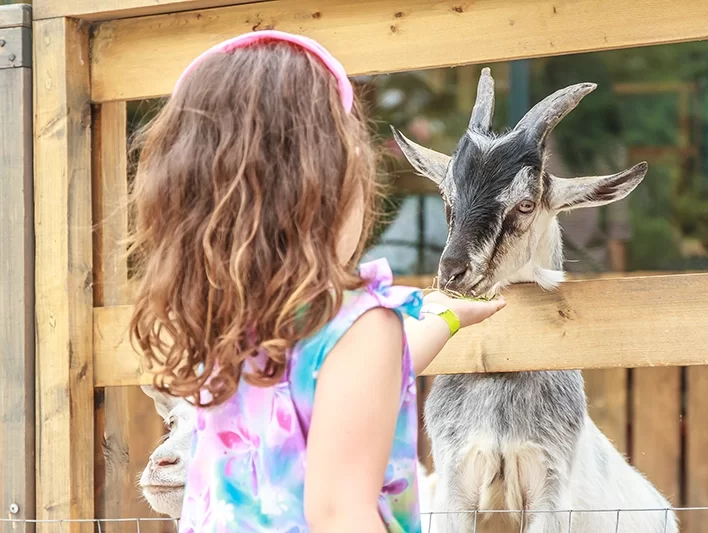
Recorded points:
(428, 336)
(468, 311)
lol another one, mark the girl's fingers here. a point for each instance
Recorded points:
(476, 312)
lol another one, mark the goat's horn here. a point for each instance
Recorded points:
(483, 110)
(429, 163)
(545, 115)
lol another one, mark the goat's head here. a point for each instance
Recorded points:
(162, 480)
(500, 202)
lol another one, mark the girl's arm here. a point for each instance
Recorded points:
(353, 424)
(428, 336)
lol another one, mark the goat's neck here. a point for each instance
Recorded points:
(546, 264)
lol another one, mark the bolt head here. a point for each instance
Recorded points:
(12, 57)
(2, 43)
(14, 508)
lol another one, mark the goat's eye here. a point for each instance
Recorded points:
(171, 423)
(526, 206)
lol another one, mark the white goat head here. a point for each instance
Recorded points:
(162, 480)
(501, 203)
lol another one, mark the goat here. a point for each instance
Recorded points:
(162, 481)
(163, 478)
(521, 441)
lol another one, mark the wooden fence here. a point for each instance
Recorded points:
(91, 56)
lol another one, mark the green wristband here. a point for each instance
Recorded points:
(453, 322)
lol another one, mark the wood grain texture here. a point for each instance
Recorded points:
(610, 323)
(63, 276)
(16, 287)
(370, 36)
(127, 426)
(607, 403)
(696, 431)
(95, 10)
(15, 16)
(656, 420)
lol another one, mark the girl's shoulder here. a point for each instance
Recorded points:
(379, 291)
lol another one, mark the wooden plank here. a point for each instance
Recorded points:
(63, 275)
(696, 446)
(127, 426)
(656, 434)
(95, 10)
(15, 16)
(370, 36)
(16, 283)
(607, 403)
(110, 199)
(612, 323)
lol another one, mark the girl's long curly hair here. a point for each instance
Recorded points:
(244, 181)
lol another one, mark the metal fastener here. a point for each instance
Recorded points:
(14, 508)
(2, 43)
(11, 57)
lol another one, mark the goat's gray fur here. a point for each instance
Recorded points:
(521, 440)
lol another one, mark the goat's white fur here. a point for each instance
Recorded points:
(587, 485)
(522, 441)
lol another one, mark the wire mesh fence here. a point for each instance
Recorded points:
(661, 520)
(100, 525)
(652, 520)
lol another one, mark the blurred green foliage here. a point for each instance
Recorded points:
(669, 209)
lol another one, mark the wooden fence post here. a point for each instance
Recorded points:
(63, 274)
(17, 496)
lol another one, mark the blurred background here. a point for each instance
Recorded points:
(651, 104)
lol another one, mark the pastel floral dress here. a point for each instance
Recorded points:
(247, 462)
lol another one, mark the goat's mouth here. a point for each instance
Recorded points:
(481, 286)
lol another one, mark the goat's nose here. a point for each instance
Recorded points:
(452, 269)
(167, 460)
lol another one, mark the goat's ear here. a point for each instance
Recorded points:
(429, 163)
(573, 193)
(164, 403)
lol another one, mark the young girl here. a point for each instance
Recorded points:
(253, 200)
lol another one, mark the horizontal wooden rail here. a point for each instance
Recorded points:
(142, 57)
(606, 323)
(95, 10)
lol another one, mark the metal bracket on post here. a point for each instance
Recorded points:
(15, 36)
(17, 474)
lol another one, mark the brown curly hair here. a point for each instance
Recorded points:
(244, 181)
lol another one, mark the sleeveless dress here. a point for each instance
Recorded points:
(247, 461)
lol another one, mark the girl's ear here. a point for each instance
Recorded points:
(164, 403)
(567, 194)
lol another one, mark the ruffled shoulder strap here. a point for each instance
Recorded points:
(309, 355)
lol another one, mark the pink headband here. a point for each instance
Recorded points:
(345, 87)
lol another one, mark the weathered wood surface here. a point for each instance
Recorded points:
(609, 323)
(606, 390)
(127, 426)
(94, 10)
(63, 274)
(370, 36)
(15, 16)
(656, 427)
(696, 432)
(17, 484)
